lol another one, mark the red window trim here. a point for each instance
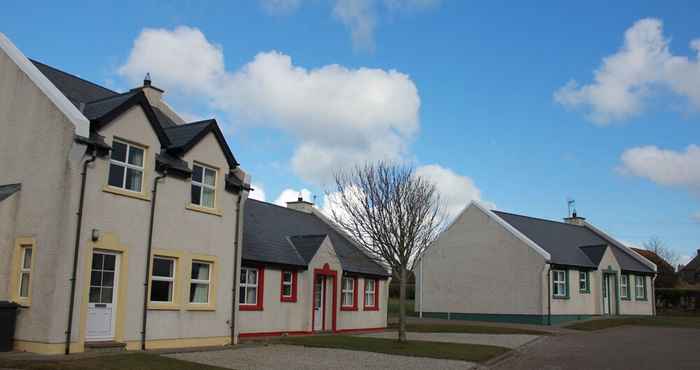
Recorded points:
(376, 296)
(293, 297)
(355, 288)
(261, 288)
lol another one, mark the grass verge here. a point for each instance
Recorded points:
(133, 361)
(658, 321)
(466, 328)
(447, 351)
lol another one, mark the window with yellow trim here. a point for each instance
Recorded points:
(200, 282)
(25, 271)
(163, 280)
(203, 192)
(126, 166)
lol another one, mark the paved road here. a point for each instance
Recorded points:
(500, 340)
(281, 357)
(618, 348)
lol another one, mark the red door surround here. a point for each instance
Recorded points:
(325, 271)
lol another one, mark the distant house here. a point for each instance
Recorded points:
(498, 266)
(666, 275)
(690, 273)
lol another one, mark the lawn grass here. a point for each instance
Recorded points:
(658, 321)
(415, 348)
(466, 328)
(133, 361)
(393, 307)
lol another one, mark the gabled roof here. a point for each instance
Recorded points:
(573, 245)
(655, 258)
(185, 137)
(9, 189)
(692, 265)
(282, 236)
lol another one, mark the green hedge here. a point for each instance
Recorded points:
(678, 298)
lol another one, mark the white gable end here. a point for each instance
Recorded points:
(82, 125)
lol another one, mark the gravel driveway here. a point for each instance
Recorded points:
(500, 340)
(282, 357)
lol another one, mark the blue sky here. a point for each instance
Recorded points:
(475, 95)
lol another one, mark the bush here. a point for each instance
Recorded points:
(674, 299)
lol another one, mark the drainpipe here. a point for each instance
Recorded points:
(148, 259)
(549, 296)
(234, 300)
(78, 227)
(653, 295)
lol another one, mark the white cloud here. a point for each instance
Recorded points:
(258, 192)
(456, 191)
(360, 18)
(291, 195)
(280, 7)
(664, 167)
(625, 80)
(339, 116)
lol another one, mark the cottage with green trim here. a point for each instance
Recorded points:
(497, 266)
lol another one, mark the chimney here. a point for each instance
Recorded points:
(575, 220)
(155, 97)
(301, 205)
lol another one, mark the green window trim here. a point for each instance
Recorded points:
(566, 284)
(626, 279)
(644, 286)
(584, 276)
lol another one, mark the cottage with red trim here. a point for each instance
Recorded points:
(300, 275)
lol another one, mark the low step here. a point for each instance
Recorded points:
(108, 346)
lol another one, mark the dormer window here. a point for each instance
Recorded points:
(203, 186)
(126, 166)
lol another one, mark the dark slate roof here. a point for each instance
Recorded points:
(163, 118)
(307, 245)
(693, 264)
(9, 189)
(570, 245)
(268, 233)
(98, 108)
(74, 88)
(183, 134)
(595, 252)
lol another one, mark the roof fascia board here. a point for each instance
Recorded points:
(511, 229)
(624, 248)
(81, 124)
(140, 100)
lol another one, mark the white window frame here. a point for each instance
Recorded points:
(164, 278)
(248, 284)
(127, 165)
(638, 286)
(201, 281)
(557, 283)
(202, 185)
(289, 283)
(25, 271)
(624, 286)
(371, 292)
(350, 291)
(584, 277)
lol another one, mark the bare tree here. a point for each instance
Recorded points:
(656, 245)
(391, 212)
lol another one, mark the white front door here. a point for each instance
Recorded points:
(606, 294)
(102, 298)
(319, 302)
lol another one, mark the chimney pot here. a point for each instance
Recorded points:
(575, 219)
(301, 205)
(147, 79)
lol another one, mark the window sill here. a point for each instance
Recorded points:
(288, 299)
(349, 308)
(209, 211)
(584, 292)
(625, 299)
(640, 299)
(249, 308)
(126, 193)
(164, 306)
(22, 302)
(371, 309)
(560, 297)
(198, 307)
